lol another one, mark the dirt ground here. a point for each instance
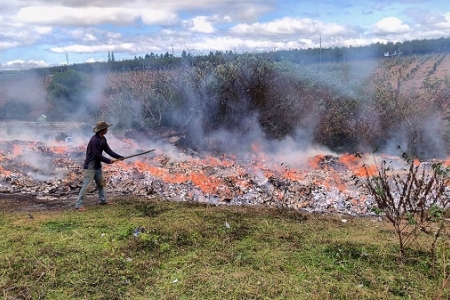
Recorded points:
(21, 203)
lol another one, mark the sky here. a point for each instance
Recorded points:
(42, 33)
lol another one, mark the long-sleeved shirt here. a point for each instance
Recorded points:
(94, 153)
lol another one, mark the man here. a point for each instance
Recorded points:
(93, 164)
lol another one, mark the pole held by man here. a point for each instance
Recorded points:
(142, 153)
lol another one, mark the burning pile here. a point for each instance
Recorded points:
(325, 185)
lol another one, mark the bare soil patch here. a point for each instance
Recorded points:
(9, 203)
(25, 203)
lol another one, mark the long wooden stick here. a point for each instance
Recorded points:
(130, 156)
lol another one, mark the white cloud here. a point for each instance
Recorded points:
(199, 24)
(93, 60)
(100, 48)
(83, 49)
(291, 26)
(113, 35)
(83, 12)
(227, 19)
(8, 45)
(42, 30)
(390, 25)
(59, 15)
(16, 35)
(158, 17)
(84, 16)
(21, 64)
(90, 37)
(445, 23)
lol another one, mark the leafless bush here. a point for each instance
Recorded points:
(414, 199)
(135, 98)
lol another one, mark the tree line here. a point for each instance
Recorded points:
(167, 60)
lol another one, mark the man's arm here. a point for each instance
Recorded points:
(111, 153)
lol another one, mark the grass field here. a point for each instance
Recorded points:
(153, 249)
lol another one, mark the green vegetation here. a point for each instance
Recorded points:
(152, 249)
(66, 94)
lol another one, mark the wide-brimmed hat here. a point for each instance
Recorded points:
(100, 126)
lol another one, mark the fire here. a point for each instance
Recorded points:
(357, 166)
(256, 147)
(207, 184)
(4, 172)
(351, 161)
(257, 150)
(159, 172)
(59, 149)
(17, 150)
(257, 178)
(446, 162)
(416, 162)
(346, 161)
(293, 174)
(314, 162)
(213, 161)
(202, 172)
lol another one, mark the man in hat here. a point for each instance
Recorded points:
(93, 164)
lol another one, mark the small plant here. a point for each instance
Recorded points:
(413, 199)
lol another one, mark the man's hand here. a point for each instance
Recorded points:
(116, 160)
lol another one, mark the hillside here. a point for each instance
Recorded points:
(424, 74)
(346, 107)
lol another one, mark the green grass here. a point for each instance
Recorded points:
(192, 251)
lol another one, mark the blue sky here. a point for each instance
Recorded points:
(39, 33)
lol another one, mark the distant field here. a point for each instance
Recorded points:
(424, 74)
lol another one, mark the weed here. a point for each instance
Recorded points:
(59, 226)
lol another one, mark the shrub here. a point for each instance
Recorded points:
(66, 93)
(413, 199)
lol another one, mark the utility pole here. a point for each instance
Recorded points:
(320, 48)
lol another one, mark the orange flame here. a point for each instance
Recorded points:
(357, 166)
(59, 149)
(4, 172)
(17, 150)
(207, 184)
(314, 162)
